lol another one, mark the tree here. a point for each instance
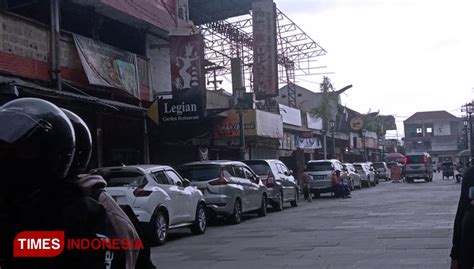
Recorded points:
(327, 107)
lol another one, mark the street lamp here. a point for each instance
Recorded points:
(468, 109)
(465, 122)
(332, 125)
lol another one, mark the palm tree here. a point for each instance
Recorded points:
(327, 108)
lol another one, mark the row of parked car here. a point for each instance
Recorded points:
(165, 198)
(354, 175)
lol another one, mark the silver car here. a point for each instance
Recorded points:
(282, 186)
(351, 177)
(366, 174)
(383, 172)
(230, 188)
(320, 173)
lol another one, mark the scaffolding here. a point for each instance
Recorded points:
(297, 52)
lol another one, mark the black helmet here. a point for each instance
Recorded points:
(36, 141)
(83, 151)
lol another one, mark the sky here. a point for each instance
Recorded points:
(401, 56)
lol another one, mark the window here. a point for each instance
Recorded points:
(161, 178)
(429, 130)
(260, 168)
(174, 177)
(319, 166)
(239, 172)
(202, 173)
(283, 168)
(124, 178)
(248, 174)
(229, 169)
(279, 168)
(419, 130)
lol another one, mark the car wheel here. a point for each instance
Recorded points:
(262, 212)
(295, 202)
(317, 194)
(236, 217)
(200, 222)
(279, 206)
(159, 228)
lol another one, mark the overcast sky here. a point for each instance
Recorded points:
(401, 56)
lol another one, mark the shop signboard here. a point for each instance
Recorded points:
(108, 66)
(290, 115)
(314, 122)
(188, 102)
(256, 123)
(265, 65)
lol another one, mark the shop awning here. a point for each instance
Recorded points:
(36, 89)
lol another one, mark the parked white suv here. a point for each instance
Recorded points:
(321, 172)
(160, 198)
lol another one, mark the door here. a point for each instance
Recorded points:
(246, 187)
(181, 200)
(288, 190)
(254, 188)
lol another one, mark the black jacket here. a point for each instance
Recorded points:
(463, 239)
(60, 207)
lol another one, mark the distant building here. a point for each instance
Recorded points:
(436, 132)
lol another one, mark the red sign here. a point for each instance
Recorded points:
(265, 64)
(41, 244)
(160, 13)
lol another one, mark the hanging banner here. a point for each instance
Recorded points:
(108, 66)
(187, 79)
(265, 64)
(308, 143)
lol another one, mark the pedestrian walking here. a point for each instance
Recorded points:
(463, 237)
(308, 196)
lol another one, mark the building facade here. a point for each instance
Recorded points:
(436, 132)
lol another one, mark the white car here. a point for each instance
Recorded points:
(366, 173)
(160, 198)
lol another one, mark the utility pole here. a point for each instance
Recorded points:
(241, 132)
(55, 43)
(325, 149)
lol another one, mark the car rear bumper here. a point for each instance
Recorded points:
(220, 204)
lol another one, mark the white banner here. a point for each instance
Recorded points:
(308, 143)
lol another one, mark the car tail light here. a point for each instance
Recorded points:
(270, 180)
(139, 192)
(425, 160)
(405, 160)
(220, 181)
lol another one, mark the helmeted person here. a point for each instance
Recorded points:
(37, 146)
(118, 224)
(463, 237)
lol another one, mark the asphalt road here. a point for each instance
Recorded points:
(392, 225)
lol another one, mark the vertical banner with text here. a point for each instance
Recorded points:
(265, 64)
(187, 80)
